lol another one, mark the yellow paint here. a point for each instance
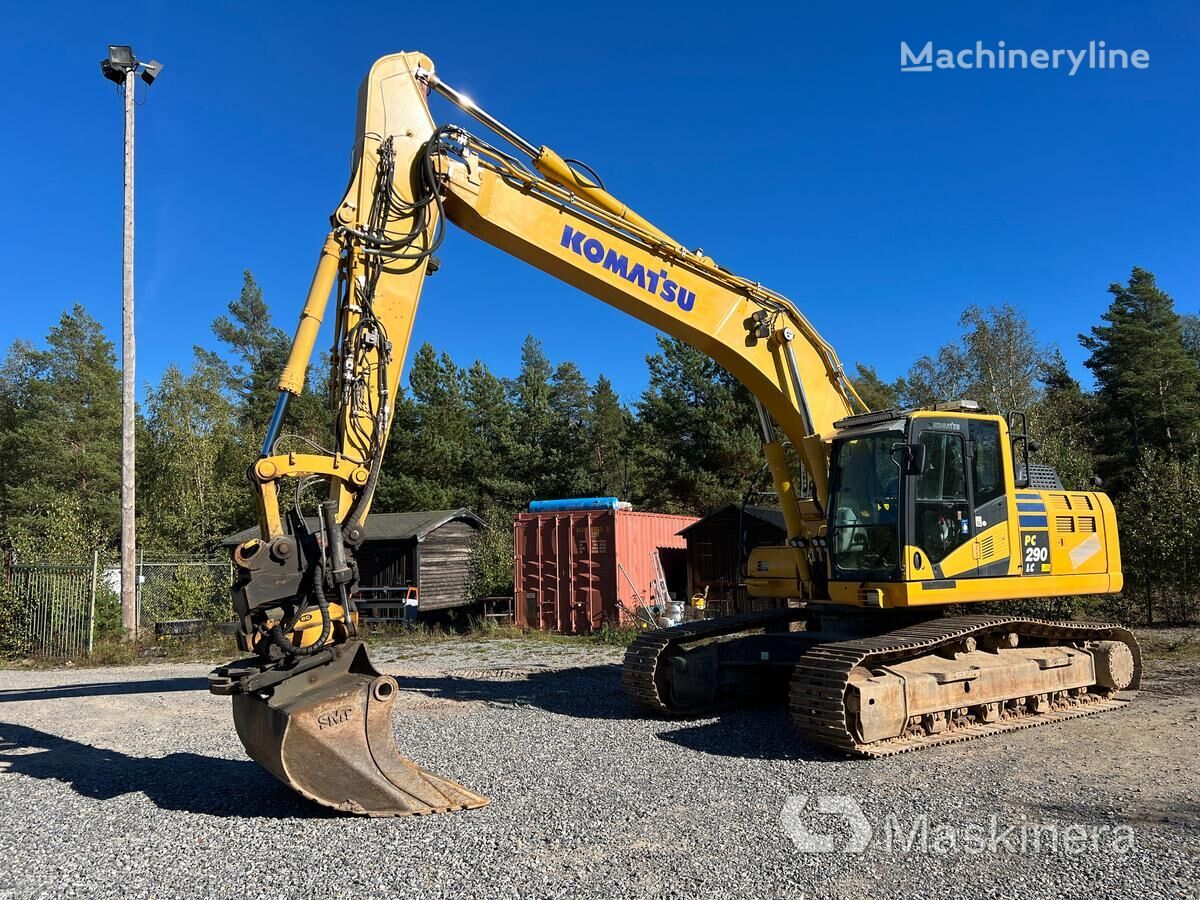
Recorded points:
(308, 627)
(916, 564)
(292, 379)
(977, 590)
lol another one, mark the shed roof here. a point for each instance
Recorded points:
(768, 514)
(387, 526)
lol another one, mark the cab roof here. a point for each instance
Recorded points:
(884, 419)
(886, 415)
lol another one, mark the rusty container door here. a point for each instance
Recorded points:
(596, 569)
(564, 569)
(536, 583)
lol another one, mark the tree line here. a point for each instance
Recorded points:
(464, 436)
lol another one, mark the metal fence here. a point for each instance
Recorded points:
(54, 609)
(51, 610)
(184, 589)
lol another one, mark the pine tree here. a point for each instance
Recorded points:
(427, 463)
(531, 398)
(255, 352)
(697, 435)
(874, 391)
(609, 426)
(62, 440)
(399, 488)
(495, 469)
(1146, 382)
(1190, 325)
(567, 450)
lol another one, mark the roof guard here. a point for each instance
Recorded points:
(869, 418)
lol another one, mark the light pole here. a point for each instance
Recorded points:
(122, 67)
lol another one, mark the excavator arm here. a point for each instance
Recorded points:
(308, 704)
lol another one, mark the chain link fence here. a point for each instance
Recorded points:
(169, 590)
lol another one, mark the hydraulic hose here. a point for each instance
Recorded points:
(281, 640)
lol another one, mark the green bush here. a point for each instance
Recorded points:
(187, 592)
(108, 615)
(492, 557)
(12, 623)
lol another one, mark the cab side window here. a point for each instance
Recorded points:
(986, 471)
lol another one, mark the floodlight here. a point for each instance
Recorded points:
(121, 56)
(119, 62)
(151, 70)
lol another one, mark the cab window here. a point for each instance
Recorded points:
(941, 508)
(865, 507)
(986, 473)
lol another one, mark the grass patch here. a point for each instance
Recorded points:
(1177, 644)
(398, 637)
(113, 651)
(611, 635)
(475, 630)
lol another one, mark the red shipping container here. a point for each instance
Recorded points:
(577, 570)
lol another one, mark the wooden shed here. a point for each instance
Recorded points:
(717, 546)
(427, 549)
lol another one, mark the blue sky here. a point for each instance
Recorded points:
(781, 139)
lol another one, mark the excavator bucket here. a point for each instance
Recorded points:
(326, 731)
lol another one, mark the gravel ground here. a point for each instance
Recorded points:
(130, 782)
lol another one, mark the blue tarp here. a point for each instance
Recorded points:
(573, 504)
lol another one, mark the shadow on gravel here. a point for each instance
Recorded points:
(595, 692)
(587, 692)
(186, 782)
(1178, 812)
(106, 689)
(763, 733)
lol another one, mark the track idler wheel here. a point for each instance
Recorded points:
(327, 733)
(1115, 666)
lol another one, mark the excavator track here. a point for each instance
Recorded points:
(645, 657)
(820, 681)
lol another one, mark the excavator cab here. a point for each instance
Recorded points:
(910, 491)
(864, 511)
(898, 477)
(942, 505)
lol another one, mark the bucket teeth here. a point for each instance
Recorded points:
(327, 733)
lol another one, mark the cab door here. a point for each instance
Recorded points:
(940, 526)
(958, 518)
(989, 498)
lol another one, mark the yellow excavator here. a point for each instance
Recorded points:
(903, 514)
